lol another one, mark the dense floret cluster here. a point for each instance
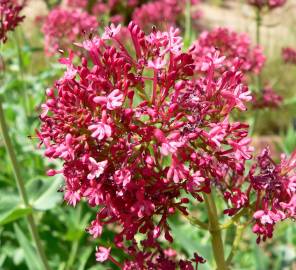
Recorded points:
(137, 131)
(63, 27)
(10, 16)
(270, 4)
(235, 47)
(275, 185)
(289, 55)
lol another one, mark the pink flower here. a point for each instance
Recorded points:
(100, 130)
(170, 147)
(111, 31)
(241, 148)
(45, 110)
(95, 229)
(157, 64)
(195, 182)
(235, 98)
(72, 197)
(122, 176)
(218, 132)
(113, 101)
(177, 171)
(102, 254)
(96, 168)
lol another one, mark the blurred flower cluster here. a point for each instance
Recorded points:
(63, 27)
(10, 16)
(235, 47)
(289, 55)
(162, 13)
(267, 98)
(138, 130)
(270, 4)
(65, 24)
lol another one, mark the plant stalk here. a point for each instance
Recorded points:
(258, 77)
(22, 73)
(21, 186)
(258, 43)
(214, 229)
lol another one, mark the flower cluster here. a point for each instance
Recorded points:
(267, 98)
(77, 3)
(161, 13)
(270, 4)
(10, 16)
(63, 27)
(289, 55)
(236, 47)
(138, 130)
(275, 186)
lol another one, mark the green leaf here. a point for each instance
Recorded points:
(261, 259)
(189, 239)
(32, 261)
(290, 101)
(50, 197)
(11, 208)
(14, 214)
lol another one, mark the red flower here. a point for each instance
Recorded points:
(135, 136)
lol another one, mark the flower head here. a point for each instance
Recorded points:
(63, 27)
(289, 55)
(10, 16)
(235, 47)
(270, 4)
(135, 136)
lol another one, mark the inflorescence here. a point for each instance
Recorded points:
(142, 131)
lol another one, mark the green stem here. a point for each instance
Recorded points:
(22, 73)
(258, 42)
(239, 232)
(214, 229)
(188, 32)
(21, 186)
(197, 222)
(258, 77)
(73, 255)
(234, 219)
